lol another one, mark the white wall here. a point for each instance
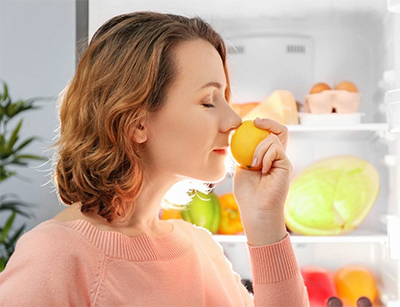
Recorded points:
(37, 58)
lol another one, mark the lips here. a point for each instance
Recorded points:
(221, 152)
(223, 148)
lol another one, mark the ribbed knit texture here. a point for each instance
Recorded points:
(140, 248)
(279, 258)
(75, 264)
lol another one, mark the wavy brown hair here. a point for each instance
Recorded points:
(122, 78)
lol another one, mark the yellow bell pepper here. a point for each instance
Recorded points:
(230, 216)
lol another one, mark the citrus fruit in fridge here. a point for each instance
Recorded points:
(347, 86)
(331, 196)
(355, 281)
(231, 222)
(243, 143)
(170, 214)
(319, 87)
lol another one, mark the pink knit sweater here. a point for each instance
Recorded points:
(73, 263)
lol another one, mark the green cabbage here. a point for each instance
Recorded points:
(331, 196)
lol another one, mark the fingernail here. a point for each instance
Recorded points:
(254, 163)
(257, 119)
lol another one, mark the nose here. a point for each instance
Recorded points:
(233, 119)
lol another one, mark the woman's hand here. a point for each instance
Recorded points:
(261, 194)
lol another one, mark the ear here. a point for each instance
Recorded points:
(140, 133)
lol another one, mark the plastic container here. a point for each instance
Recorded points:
(340, 100)
(336, 119)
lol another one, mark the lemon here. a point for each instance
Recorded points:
(244, 142)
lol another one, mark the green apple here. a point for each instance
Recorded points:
(204, 211)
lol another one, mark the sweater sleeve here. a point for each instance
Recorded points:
(277, 280)
(46, 270)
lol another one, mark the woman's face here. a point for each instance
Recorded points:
(183, 135)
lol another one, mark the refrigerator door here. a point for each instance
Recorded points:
(394, 237)
(392, 100)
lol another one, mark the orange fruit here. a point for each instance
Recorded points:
(243, 143)
(347, 86)
(231, 222)
(170, 214)
(319, 87)
(353, 282)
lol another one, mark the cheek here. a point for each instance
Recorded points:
(195, 142)
(184, 135)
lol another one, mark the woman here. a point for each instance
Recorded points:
(146, 109)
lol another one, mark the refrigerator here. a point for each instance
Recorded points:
(292, 45)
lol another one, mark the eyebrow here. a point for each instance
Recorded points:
(214, 84)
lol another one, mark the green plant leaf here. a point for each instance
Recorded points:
(33, 157)
(13, 240)
(18, 163)
(5, 195)
(4, 96)
(22, 145)
(15, 205)
(11, 110)
(2, 264)
(7, 104)
(11, 204)
(10, 153)
(22, 213)
(25, 143)
(17, 159)
(20, 106)
(14, 137)
(7, 227)
(5, 174)
(2, 146)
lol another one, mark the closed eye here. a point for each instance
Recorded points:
(206, 102)
(208, 105)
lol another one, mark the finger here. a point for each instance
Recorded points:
(276, 157)
(264, 146)
(280, 130)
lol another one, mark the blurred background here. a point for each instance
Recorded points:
(38, 58)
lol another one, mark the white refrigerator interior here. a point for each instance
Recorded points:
(292, 45)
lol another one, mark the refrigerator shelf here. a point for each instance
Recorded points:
(359, 132)
(357, 237)
(374, 127)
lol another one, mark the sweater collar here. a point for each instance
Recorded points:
(139, 248)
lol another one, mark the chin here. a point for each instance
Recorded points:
(217, 176)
